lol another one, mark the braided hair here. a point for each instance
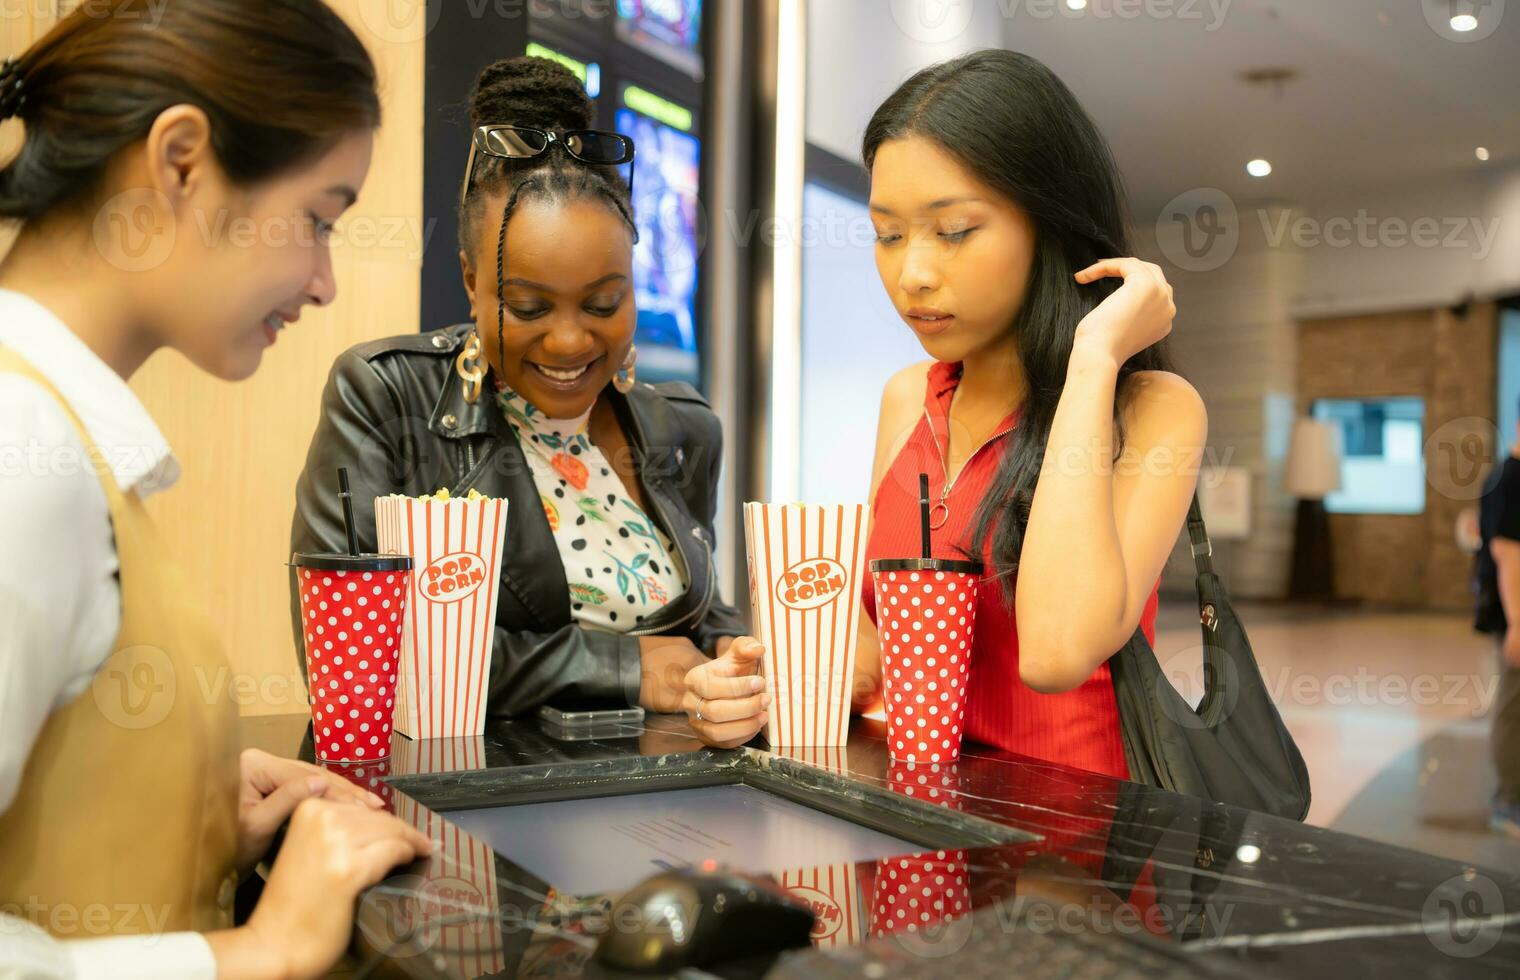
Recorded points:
(541, 94)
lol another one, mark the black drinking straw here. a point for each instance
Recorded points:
(923, 514)
(348, 510)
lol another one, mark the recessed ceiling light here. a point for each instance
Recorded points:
(1258, 168)
(1462, 23)
(1481, 153)
(1076, 4)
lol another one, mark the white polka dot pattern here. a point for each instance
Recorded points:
(365, 775)
(925, 621)
(350, 661)
(920, 891)
(927, 781)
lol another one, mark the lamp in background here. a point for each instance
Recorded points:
(1312, 471)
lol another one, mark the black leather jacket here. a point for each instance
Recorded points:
(394, 413)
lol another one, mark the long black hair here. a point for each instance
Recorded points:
(1011, 122)
(542, 94)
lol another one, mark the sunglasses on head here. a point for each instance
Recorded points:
(593, 146)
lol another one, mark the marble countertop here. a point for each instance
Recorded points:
(1228, 889)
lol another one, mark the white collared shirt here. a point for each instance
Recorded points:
(60, 602)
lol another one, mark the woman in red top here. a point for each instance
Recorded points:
(1060, 448)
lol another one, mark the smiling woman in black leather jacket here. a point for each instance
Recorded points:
(552, 239)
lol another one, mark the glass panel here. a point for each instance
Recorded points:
(1382, 463)
(612, 843)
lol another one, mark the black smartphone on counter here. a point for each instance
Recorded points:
(582, 718)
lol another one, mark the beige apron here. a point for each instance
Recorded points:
(126, 816)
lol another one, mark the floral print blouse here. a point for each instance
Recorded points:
(620, 566)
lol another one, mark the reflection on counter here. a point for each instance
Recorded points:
(1101, 861)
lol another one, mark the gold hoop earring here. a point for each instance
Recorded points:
(624, 379)
(469, 368)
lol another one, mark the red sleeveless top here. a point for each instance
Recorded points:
(1077, 728)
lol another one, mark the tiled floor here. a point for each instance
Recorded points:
(1389, 710)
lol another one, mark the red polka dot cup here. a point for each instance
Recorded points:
(368, 776)
(352, 607)
(931, 782)
(919, 892)
(925, 617)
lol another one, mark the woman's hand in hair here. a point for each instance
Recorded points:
(269, 790)
(1136, 315)
(729, 695)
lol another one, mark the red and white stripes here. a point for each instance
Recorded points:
(456, 548)
(806, 563)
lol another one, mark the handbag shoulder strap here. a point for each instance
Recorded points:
(1203, 549)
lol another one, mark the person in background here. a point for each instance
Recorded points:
(609, 592)
(122, 787)
(1497, 613)
(1061, 449)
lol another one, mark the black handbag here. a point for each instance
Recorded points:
(1233, 748)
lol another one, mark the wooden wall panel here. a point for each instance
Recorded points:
(242, 446)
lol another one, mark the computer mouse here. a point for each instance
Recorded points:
(694, 918)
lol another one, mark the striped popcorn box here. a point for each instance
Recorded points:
(833, 891)
(414, 758)
(832, 758)
(806, 564)
(450, 909)
(456, 548)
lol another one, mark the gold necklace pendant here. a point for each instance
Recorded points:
(939, 514)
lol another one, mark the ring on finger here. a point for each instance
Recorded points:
(699, 709)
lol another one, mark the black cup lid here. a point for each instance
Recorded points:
(926, 565)
(352, 563)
